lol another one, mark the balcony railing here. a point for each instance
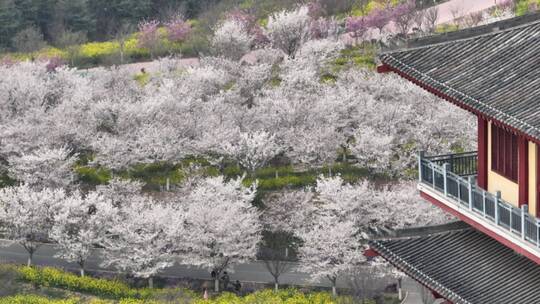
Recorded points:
(453, 177)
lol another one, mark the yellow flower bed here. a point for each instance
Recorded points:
(112, 291)
(286, 296)
(33, 299)
(99, 49)
(52, 277)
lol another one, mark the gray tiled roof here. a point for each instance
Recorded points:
(465, 266)
(496, 74)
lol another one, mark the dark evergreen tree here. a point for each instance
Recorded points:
(10, 22)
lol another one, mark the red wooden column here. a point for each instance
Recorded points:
(523, 170)
(482, 152)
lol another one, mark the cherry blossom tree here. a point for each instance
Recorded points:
(288, 30)
(253, 150)
(379, 19)
(274, 253)
(81, 223)
(382, 111)
(403, 16)
(333, 241)
(312, 111)
(284, 214)
(231, 39)
(251, 25)
(224, 227)
(357, 27)
(324, 28)
(120, 192)
(138, 241)
(337, 228)
(331, 246)
(45, 167)
(402, 207)
(372, 148)
(286, 211)
(149, 36)
(419, 20)
(27, 215)
(431, 17)
(178, 29)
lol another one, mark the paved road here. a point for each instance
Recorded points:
(465, 7)
(251, 272)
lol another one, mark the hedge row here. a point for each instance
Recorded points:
(269, 178)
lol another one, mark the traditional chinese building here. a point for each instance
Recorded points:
(494, 73)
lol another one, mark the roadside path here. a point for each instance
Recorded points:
(465, 7)
(250, 272)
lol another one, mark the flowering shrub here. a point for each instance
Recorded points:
(54, 63)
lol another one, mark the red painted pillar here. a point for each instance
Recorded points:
(482, 153)
(523, 170)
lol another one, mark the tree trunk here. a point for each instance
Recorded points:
(276, 284)
(334, 290)
(216, 284)
(151, 282)
(30, 256)
(81, 267)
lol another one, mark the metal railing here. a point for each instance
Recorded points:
(436, 172)
(462, 164)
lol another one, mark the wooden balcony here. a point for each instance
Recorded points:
(449, 182)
